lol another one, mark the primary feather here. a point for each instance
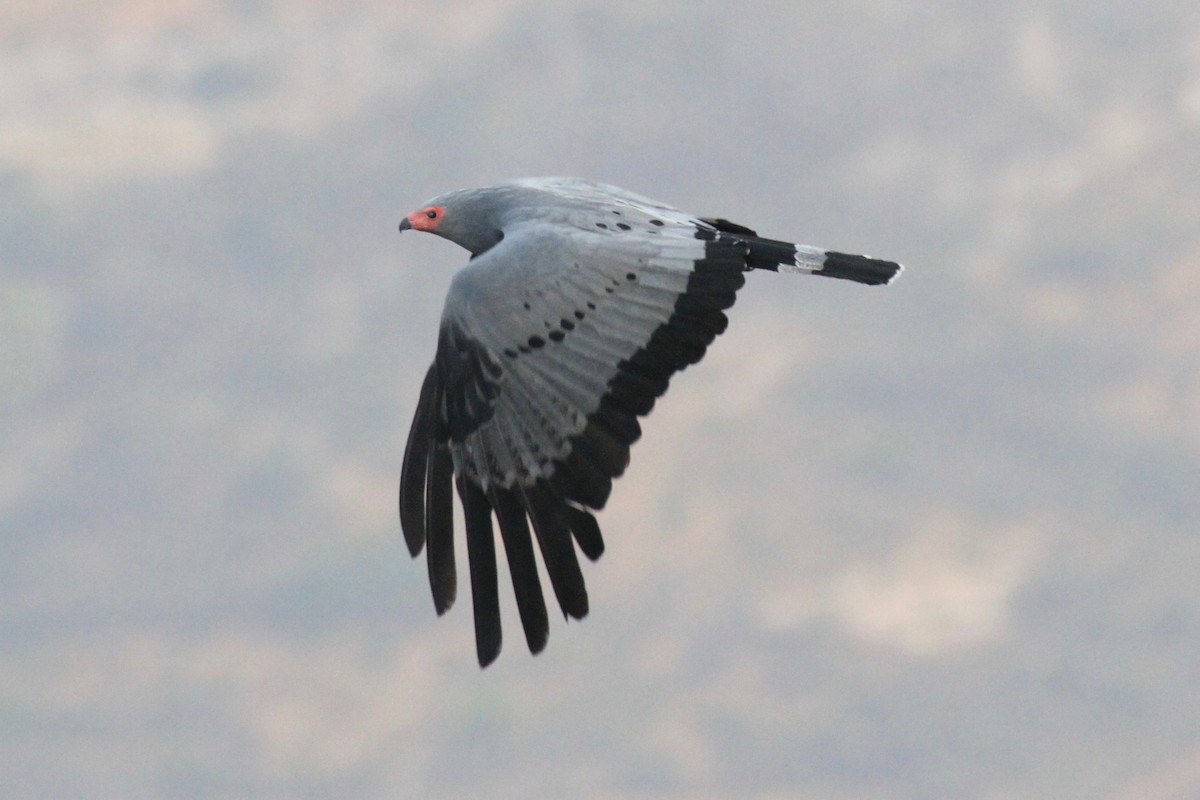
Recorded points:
(579, 303)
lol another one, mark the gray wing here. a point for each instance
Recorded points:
(552, 344)
(601, 194)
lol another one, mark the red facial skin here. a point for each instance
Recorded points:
(426, 219)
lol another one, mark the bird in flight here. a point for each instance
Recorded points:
(578, 304)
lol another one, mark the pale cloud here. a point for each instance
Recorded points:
(1059, 305)
(310, 709)
(1111, 138)
(749, 381)
(683, 743)
(160, 93)
(1039, 57)
(33, 330)
(1189, 94)
(948, 587)
(357, 492)
(362, 702)
(1152, 404)
(1178, 779)
(1157, 396)
(124, 140)
(1174, 305)
(34, 443)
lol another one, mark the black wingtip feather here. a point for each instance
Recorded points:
(580, 479)
(616, 422)
(558, 552)
(518, 547)
(416, 462)
(587, 532)
(600, 447)
(681, 340)
(439, 509)
(861, 269)
(481, 556)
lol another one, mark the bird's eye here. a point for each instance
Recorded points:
(431, 213)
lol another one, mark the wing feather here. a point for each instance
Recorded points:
(578, 477)
(553, 344)
(439, 530)
(558, 553)
(416, 460)
(481, 555)
(586, 531)
(518, 547)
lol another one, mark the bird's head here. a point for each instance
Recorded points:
(428, 218)
(469, 218)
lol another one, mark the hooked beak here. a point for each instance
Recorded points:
(405, 225)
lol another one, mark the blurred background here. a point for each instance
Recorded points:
(937, 540)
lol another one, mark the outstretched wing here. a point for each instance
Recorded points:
(552, 344)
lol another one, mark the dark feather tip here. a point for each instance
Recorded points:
(862, 269)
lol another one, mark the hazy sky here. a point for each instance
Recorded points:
(936, 540)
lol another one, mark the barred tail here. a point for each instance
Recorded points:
(831, 264)
(780, 256)
(786, 257)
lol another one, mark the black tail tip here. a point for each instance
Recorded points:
(862, 269)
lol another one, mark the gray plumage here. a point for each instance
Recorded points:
(578, 304)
